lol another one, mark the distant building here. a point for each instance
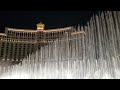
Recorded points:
(16, 44)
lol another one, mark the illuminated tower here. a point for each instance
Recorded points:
(40, 26)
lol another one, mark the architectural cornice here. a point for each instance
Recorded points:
(3, 34)
(28, 30)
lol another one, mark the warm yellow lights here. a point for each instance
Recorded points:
(41, 29)
(80, 32)
(40, 26)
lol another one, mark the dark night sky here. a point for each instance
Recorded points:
(52, 19)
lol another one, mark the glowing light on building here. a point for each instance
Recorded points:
(88, 52)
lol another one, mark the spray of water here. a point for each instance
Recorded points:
(89, 52)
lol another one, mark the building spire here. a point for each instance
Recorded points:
(40, 26)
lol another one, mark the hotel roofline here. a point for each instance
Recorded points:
(28, 30)
(3, 34)
(34, 31)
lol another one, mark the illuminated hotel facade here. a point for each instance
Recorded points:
(16, 44)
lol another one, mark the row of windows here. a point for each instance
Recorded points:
(33, 34)
(15, 44)
(47, 33)
(17, 53)
(18, 49)
(11, 48)
(21, 34)
(19, 38)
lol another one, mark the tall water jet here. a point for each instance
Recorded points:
(88, 52)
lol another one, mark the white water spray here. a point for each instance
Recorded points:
(94, 54)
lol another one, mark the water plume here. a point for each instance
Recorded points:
(88, 52)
